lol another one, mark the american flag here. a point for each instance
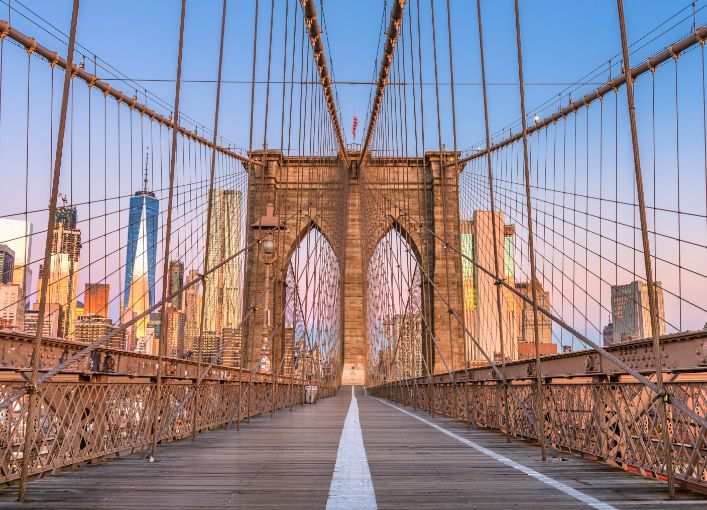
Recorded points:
(354, 125)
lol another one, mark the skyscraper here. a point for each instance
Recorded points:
(232, 339)
(62, 284)
(90, 328)
(192, 310)
(96, 298)
(480, 300)
(12, 307)
(17, 235)
(149, 344)
(175, 332)
(223, 287)
(525, 322)
(468, 270)
(288, 365)
(407, 331)
(175, 282)
(50, 323)
(608, 334)
(141, 261)
(210, 347)
(7, 263)
(631, 312)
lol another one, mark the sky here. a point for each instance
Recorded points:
(563, 42)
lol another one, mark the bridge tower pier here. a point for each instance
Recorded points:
(418, 197)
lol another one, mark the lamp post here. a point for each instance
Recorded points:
(265, 229)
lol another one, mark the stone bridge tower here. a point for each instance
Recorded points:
(418, 197)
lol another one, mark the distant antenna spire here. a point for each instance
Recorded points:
(147, 155)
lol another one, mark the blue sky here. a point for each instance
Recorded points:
(561, 44)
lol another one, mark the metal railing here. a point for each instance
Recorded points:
(615, 422)
(86, 421)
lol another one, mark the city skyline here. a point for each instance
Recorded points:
(518, 325)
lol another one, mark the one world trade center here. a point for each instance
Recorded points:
(139, 294)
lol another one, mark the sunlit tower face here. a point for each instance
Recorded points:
(141, 259)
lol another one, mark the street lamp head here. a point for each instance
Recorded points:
(268, 246)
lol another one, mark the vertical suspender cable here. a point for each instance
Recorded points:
(531, 246)
(32, 409)
(209, 212)
(457, 234)
(497, 269)
(652, 295)
(168, 236)
(246, 343)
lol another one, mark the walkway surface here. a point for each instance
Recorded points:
(348, 453)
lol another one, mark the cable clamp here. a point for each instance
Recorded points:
(32, 47)
(54, 61)
(663, 395)
(499, 281)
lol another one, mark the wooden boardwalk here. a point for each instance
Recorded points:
(287, 462)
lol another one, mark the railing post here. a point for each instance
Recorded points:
(33, 397)
(240, 393)
(167, 240)
(250, 386)
(653, 309)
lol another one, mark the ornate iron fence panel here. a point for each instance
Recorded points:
(86, 421)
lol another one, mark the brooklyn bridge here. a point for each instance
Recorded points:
(491, 292)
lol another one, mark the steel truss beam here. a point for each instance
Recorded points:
(681, 352)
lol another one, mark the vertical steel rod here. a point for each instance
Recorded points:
(653, 308)
(531, 245)
(209, 212)
(497, 269)
(33, 402)
(168, 237)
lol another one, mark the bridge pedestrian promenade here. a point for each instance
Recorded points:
(309, 458)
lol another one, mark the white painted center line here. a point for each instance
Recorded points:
(584, 498)
(351, 486)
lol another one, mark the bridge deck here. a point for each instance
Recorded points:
(288, 462)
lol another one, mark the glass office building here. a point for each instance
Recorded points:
(140, 266)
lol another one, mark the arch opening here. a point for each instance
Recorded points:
(394, 308)
(312, 309)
